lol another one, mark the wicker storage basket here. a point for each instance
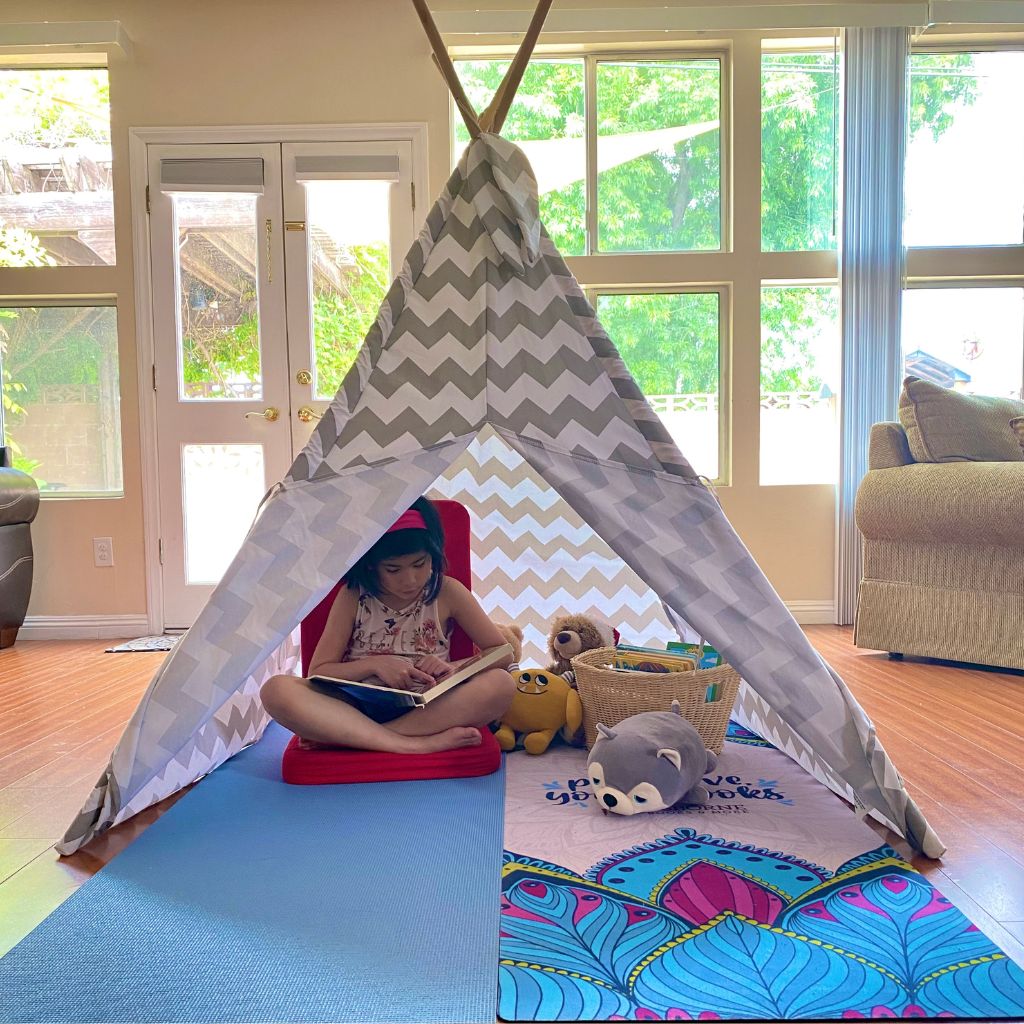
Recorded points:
(610, 696)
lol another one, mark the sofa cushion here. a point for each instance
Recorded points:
(947, 426)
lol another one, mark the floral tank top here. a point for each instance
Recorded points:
(410, 633)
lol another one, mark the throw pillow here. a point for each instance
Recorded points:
(1017, 426)
(947, 426)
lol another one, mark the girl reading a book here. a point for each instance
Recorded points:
(391, 624)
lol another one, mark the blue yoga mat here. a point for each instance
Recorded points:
(251, 900)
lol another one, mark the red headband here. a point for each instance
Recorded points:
(408, 520)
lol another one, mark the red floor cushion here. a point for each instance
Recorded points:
(303, 767)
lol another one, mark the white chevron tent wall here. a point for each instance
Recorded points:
(534, 558)
(485, 327)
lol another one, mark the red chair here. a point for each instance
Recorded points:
(455, 520)
(317, 767)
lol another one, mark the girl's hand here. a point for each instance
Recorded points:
(437, 667)
(399, 673)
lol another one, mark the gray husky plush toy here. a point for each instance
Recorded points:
(649, 762)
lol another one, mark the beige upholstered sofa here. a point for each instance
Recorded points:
(943, 554)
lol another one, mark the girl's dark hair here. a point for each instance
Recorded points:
(405, 542)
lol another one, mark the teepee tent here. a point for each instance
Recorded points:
(485, 339)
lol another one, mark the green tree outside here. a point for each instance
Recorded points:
(672, 196)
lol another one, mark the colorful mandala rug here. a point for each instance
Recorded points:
(773, 902)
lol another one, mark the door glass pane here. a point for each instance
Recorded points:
(546, 121)
(61, 409)
(659, 156)
(798, 151)
(670, 343)
(56, 199)
(968, 339)
(219, 328)
(223, 485)
(348, 230)
(800, 354)
(965, 159)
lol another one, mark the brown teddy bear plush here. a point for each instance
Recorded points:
(573, 634)
(513, 635)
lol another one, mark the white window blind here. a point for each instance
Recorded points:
(212, 174)
(871, 260)
(377, 167)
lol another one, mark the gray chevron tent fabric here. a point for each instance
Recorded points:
(485, 341)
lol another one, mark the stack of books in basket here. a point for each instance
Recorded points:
(678, 657)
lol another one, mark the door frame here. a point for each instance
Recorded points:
(139, 139)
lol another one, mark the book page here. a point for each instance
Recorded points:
(414, 698)
(485, 659)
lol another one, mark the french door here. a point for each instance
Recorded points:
(268, 264)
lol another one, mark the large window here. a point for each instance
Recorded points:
(634, 156)
(968, 339)
(56, 198)
(61, 396)
(799, 150)
(799, 319)
(659, 155)
(965, 157)
(656, 142)
(58, 356)
(800, 357)
(963, 313)
(672, 344)
(631, 168)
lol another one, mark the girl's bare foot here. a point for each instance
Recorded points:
(449, 739)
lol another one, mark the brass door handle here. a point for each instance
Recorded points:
(269, 415)
(307, 415)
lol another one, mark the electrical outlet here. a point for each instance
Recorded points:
(103, 551)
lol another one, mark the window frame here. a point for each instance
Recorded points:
(965, 266)
(767, 283)
(99, 285)
(724, 293)
(69, 301)
(739, 266)
(591, 60)
(669, 271)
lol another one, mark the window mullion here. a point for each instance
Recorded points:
(590, 134)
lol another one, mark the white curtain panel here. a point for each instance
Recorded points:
(871, 261)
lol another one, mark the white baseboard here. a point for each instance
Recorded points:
(812, 613)
(84, 627)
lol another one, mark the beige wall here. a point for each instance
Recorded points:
(237, 62)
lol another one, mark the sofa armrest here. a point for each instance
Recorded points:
(19, 497)
(888, 447)
(949, 502)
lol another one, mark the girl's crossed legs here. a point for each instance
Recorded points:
(323, 719)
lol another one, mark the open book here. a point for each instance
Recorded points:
(382, 702)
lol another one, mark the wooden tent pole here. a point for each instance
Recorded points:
(447, 69)
(494, 116)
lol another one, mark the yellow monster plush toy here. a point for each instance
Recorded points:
(543, 703)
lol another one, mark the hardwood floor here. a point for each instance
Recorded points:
(955, 732)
